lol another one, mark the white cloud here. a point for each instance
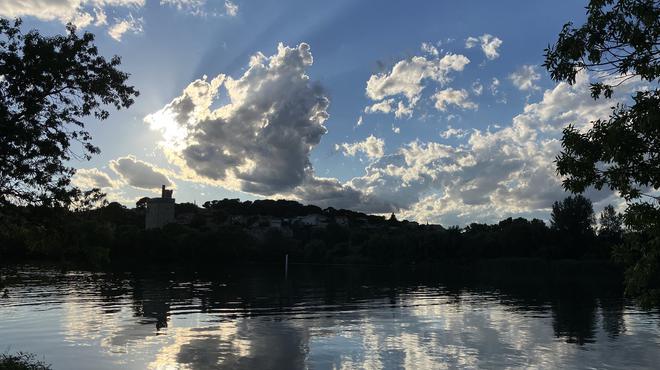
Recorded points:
(406, 80)
(491, 175)
(195, 7)
(566, 104)
(495, 91)
(384, 106)
(429, 49)
(403, 110)
(92, 178)
(101, 17)
(372, 146)
(453, 132)
(477, 88)
(129, 24)
(494, 86)
(231, 9)
(260, 140)
(85, 13)
(82, 20)
(489, 45)
(201, 7)
(396, 130)
(525, 78)
(451, 96)
(81, 13)
(140, 174)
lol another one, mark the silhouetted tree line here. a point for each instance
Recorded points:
(228, 230)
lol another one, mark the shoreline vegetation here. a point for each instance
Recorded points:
(22, 361)
(265, 231)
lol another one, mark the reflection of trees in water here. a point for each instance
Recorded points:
(612, 313)
(574, 316)
(151, 299)
(573, 292)
(573, 303)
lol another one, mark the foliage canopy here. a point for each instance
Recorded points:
(619, 43)
(48, 85)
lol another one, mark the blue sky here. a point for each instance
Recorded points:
(474, 139)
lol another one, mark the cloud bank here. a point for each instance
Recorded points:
(487, 175)
(140, 174)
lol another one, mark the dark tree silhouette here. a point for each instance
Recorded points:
(573, 216)
(620, 41)
(48, 85)
(611, 223)
(573, 219)
(142, 203)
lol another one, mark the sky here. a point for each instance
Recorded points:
(437, 111)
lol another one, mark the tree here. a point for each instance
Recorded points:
(574, 216)
(573, 219)
(48, 85)
(610, 223)
(620, 41)
(142, 203)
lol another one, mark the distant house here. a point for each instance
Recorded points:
(314, 220)
(160, 211)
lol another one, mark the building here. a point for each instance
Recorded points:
(314, 220)
(160, 211)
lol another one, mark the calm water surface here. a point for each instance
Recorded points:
(326, 318)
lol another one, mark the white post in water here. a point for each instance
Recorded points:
(286, 265)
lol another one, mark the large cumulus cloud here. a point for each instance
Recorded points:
(261, 139)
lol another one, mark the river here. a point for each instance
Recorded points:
(327, 317)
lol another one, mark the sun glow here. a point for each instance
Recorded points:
(173, 134)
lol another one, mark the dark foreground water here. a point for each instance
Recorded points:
(509, 315)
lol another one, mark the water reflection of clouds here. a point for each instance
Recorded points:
(421, 331)
(165, 324)
(200, 347)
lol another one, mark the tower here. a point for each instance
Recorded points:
(160, 211)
